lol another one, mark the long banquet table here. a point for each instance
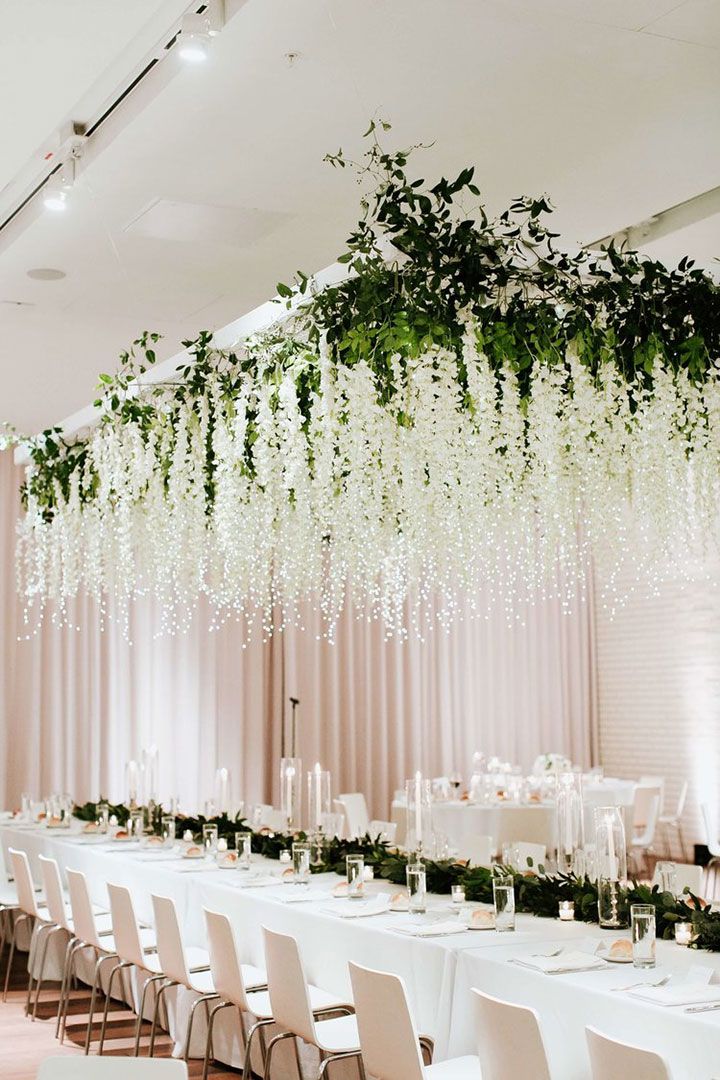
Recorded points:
(439, 971)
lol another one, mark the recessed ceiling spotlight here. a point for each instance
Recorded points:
(197, 30)
(46, 273)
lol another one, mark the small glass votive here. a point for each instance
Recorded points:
(301, 852)
(457, 895)
(642, 923)
(210, 837)
(566, 910)
(683, 933)
(504, 901)
(355, 872)
(415, 876)
(285, 857)
(243, 846)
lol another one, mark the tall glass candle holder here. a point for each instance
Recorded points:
(290, 790)
(611, 864)
(318, 788)
(569, 820)
(418, 795)
(132, 782)
(150, 775)
(222, 791)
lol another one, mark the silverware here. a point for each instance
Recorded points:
(703, 1008)
(636, 986)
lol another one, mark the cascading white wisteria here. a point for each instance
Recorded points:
(452, 487)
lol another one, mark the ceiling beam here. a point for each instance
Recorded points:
(665, 222)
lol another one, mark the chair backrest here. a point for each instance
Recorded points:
(224, 959)
(535, 852)
(355, 809)
(388, 1039)
(82, 915)
(169, 940)
(386, 830)
(682, 799)
(124, 924)
(643, 799)
(480, 850)
(611, 1059)
(510, 1043)
(685, 875)
(711, 836)
(646, 810)
(52, 888)
(287, 985)
(23, 882)
(109, 1068)
(657, 782)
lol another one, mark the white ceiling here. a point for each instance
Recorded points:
(216, 189)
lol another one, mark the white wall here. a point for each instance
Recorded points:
(659, 689)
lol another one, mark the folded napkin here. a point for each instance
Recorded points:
(563, 964)
(242, 881)
(687, 994)
(292, 895)
(437, 929)
(357, 909)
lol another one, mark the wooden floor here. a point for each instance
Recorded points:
(24, 1044)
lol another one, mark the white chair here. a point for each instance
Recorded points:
(711, 839)
(510, 1043)
(87, 939)
(30, 912)
(646, 809)
(120, 1068)
(131, 952)
(611, 1060)
(673, 822)
(354, 807)
(654, 782)
(686, 876)
(61, 916)
(229, 977)
(529, 856)
(291, 1006)
(386, 831)
(391, 1049)
(8, 902)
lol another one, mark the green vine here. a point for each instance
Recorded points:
(424, 258)
(536, 892)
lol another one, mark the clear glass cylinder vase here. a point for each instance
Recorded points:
(569, 820)
(611, 865)
(418, 798)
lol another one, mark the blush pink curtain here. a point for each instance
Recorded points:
(76, 704)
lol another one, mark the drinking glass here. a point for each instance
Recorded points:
(667, 877)
(301, 862)
(167, 829)
(210, 837)
(243, 846)
(642, 920)
(415, 875)
(504, 901)
(355, 870)
(26, 806)
(136, 824)
(103, 809)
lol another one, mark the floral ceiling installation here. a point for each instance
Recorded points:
(471, 413)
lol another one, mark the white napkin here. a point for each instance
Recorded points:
(244, 882)
(683, 994)
(357, 909)
(297, 895)
(437, 929)
(565, 963)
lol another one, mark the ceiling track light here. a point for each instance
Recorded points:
(62, 180)
(197, 30)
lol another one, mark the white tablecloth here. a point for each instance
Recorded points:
(462, 821)
(438, 971)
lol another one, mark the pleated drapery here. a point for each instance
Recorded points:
(77, 703)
